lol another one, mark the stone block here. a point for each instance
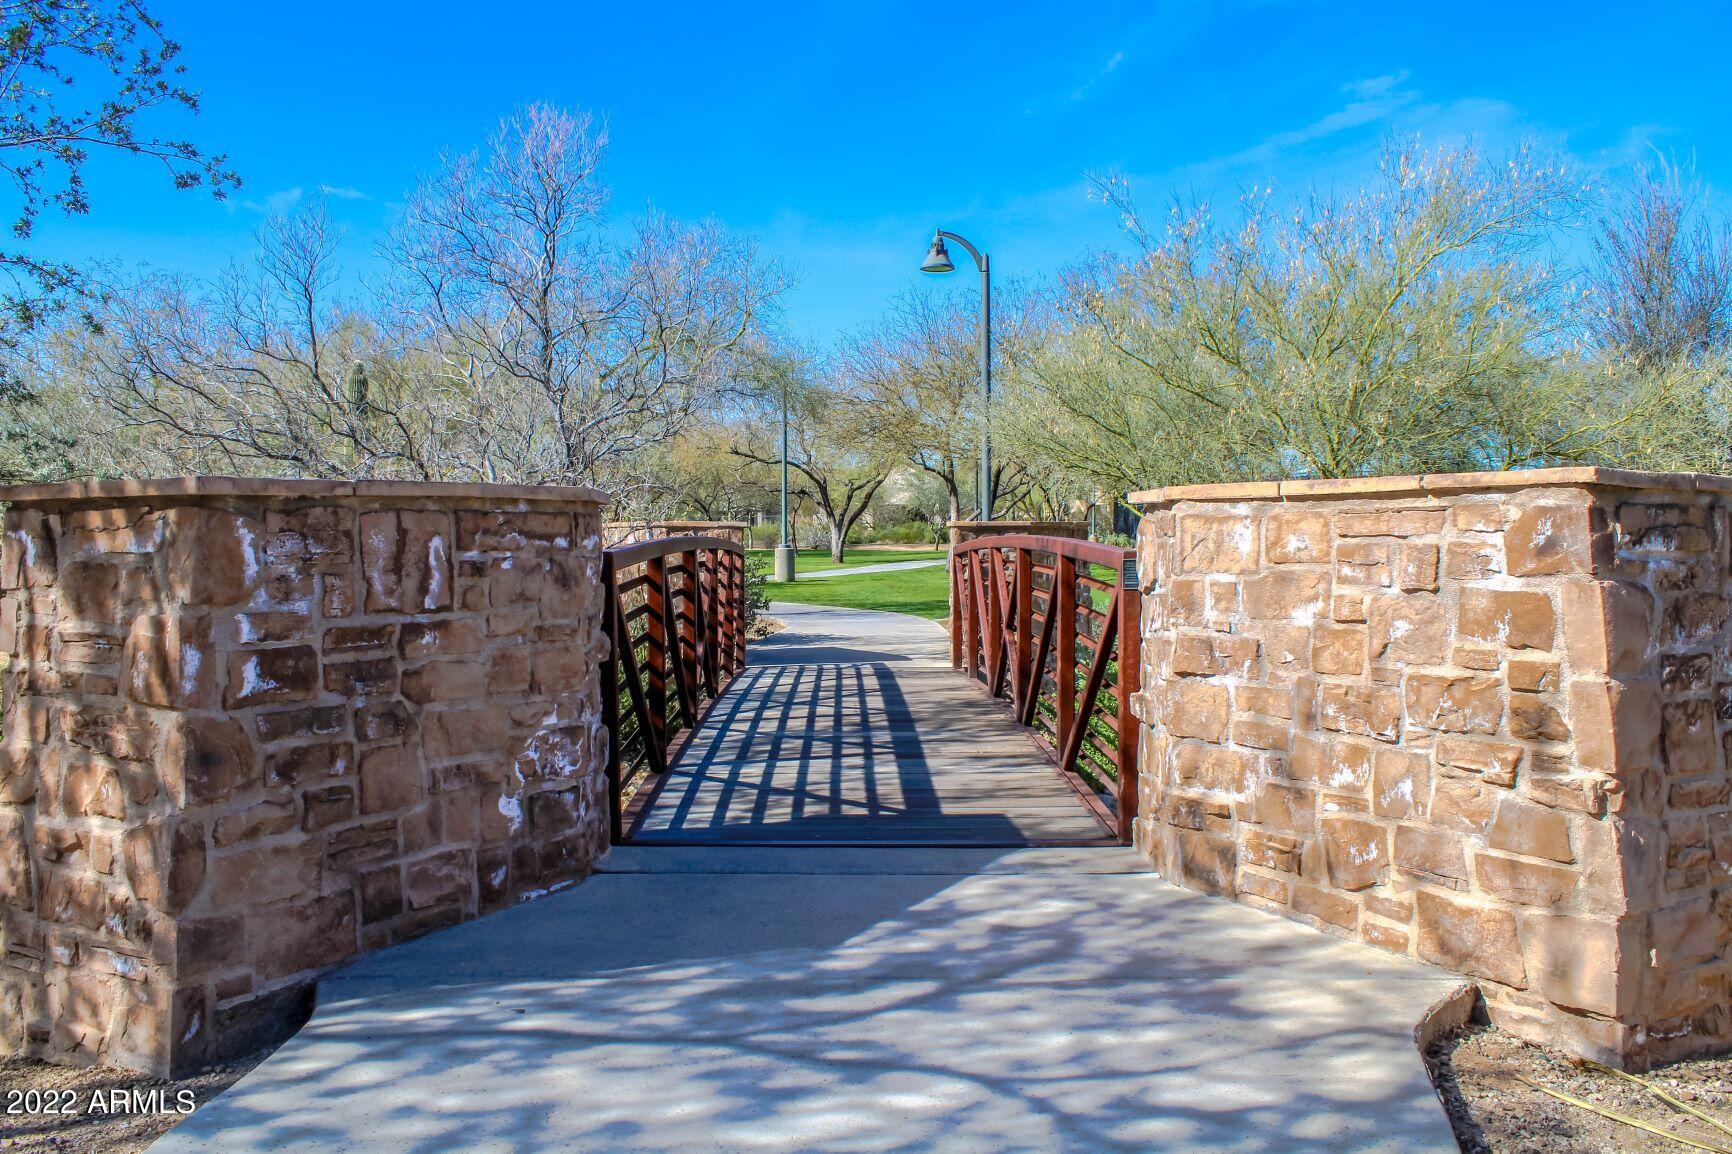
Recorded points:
(1616, 725)
(1581, 964)
(1216, 544)
(1413, 630)
(1208, 862)
(1533, 674)
(1417, 568)
(1470, 938)
(1338, 649)
(1430, 854)
(1390, 523)
(212, 556)
(1494, 761)
(406, 561)
(366, 677)
(1523, 882)
(1535, 719)
(269, 676)
(1325, 906)
(1363, 710)
(442, 878)
(309, 764)
(1297, 595)
(1547, 538)
(1453, 704)
(1196, 709)
(306, 937)
(1608, 626)
(1296, 537)
(445, 682)
(1401, 783)
(207, 759)
(1286, 807)
(1513, 618)
(167, 662)
(391, 779)
(1356, 852)
(456, 637)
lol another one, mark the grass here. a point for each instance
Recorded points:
(917, 592)
(816, 560)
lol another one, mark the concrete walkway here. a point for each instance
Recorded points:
(880, 567)
(850, 727)
(768, 1000)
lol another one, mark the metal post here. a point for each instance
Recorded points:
(784, 547)
(985, 387)
(938, 261)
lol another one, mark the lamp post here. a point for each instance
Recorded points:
(938, 261)
(784, 547)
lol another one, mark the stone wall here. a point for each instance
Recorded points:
(253, 728)
(961, 531)
(631, 532)
(1480, 720)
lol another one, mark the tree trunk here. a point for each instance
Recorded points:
(838, 539)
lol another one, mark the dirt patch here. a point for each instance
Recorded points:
(1479, 1073)
(97, 1108)
(764, 627)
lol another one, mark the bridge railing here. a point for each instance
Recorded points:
(675, 618)
(1051, 625)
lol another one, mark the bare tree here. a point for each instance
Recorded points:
(580, 345)
(266, 370)
(1662, 287)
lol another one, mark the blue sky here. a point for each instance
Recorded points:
(840, 135)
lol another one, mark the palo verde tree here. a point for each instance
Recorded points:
(1406, 328)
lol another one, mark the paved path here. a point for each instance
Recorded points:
(879, 567)
(780, 1000)
(850, 727)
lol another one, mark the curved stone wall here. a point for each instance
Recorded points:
(253, 728)
(1476, 719)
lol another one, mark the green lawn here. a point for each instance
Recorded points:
(919, 592)
(817, 560)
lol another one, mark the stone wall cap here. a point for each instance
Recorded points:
(1433, 484)
(996, 524)
(290, 488)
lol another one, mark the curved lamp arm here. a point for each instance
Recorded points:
(980, 259)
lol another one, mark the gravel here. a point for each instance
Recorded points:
(142, 1108)
(1479, 1073)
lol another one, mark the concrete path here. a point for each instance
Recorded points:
(770, 1000)
(850, 727)
(878, 567)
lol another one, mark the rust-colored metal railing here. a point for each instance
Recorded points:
(1051, 625)
(675, 619)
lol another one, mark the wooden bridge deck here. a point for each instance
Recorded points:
(850, 727)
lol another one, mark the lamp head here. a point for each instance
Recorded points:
(937, 258)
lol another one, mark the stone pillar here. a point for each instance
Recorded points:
(1479, 720)
(631, 532)
(256, 727)
(961, 531)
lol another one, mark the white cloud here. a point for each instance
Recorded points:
(279, 201)
(1082, 92)
(343, 192)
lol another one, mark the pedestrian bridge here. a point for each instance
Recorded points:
(854, 728)
(851, 728)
